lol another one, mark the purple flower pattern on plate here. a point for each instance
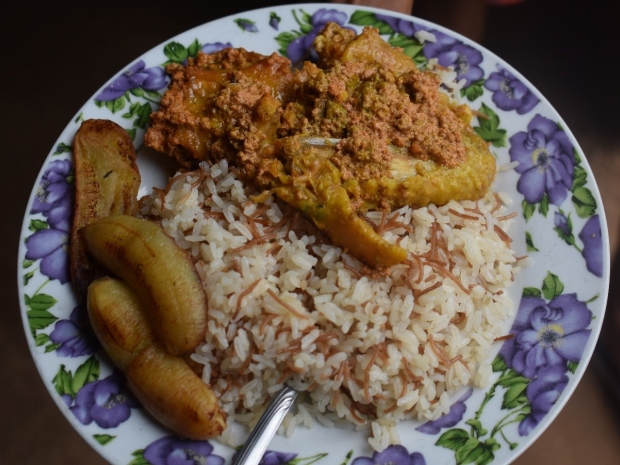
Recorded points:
(51, 246)
(548, 339)
(547, 346)
(75, 336)
(509, 93)
(590, 236)
(215, 47)
(560, 221)
(274, 20)
(400, 25)
(54, 197)
(546, 162)
(453, 417)
(272, 457)
(592, 240)
(136, 76)
(107, 402)
(542, 393)
(392, 455)
(246, 25)
(451, 52)
(171, 450)
(547, 334)
(54, 200)
(299, 49)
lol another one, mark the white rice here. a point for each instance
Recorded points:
(448, 77)
(368, 351)
(425, 36)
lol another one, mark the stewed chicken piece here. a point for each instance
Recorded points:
(361, 129)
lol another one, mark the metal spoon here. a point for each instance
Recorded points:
(252, 451)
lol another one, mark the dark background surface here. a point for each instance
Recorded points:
(56, 57)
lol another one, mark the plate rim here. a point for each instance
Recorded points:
(596, 329)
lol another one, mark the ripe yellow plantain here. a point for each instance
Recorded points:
(159, 271)
(165, 385)
(119, 320)
(168, 388)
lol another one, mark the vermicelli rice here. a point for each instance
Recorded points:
(367, 348)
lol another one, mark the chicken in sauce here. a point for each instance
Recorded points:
(361, 129)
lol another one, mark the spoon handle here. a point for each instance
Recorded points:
(252, 451)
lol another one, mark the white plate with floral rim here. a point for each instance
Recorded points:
(560, 299)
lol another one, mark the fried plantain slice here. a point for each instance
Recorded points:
(106, 183)
(166, 385)
(119, 320)
(170, 391)
(159, 271)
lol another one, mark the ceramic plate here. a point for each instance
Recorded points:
(559, 300)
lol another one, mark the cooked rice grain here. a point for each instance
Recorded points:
(286, 306)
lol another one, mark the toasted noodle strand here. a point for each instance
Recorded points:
(246, 362)
(419, 293)
(381, 227)
(463, 215)
(242, 295)
(508, 217)
(178, 177)
(355, 415)
(251, 225)
(441, 354)
(498, 202)
(294, 346)
(403, 381)
(440, 268)
(391, 409)
(335, 397)
(285, 305)
(218, 215)
(265, 322)
(500, 232)
(253, 242)
(367, 376)
(285, 374)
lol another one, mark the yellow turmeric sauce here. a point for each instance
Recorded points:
(361, 129)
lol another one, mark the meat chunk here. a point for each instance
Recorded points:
(362, 128)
